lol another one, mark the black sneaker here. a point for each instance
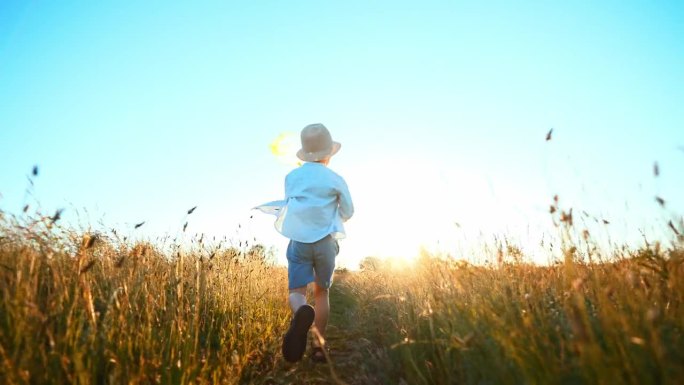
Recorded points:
(294, 343)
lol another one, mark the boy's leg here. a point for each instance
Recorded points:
(303, 315)
(322, 307)
(297, 298)
(324, 267)
(300, 273)
(294, 341)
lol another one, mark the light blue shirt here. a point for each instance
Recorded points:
(317, 202)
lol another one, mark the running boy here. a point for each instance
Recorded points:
(317, 202)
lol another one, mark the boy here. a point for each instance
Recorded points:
(317, 202)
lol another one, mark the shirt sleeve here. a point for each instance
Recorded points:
(345, 201)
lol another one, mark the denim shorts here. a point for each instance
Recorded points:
(307, 262)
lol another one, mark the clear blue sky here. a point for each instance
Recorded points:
(140, 110)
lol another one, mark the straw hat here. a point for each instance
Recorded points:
(317, 144)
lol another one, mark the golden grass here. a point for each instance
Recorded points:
(84, 308)
(448, 322)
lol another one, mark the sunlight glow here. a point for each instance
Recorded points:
(426, 207)
(409, 213)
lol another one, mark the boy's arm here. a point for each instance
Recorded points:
(345, 201)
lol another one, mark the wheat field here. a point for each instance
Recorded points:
(94, 308)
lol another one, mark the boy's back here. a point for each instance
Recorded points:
(318, 202)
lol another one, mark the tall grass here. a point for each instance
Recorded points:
(86, 309)
(448, 322)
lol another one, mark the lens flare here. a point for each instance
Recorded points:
(284, 148)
